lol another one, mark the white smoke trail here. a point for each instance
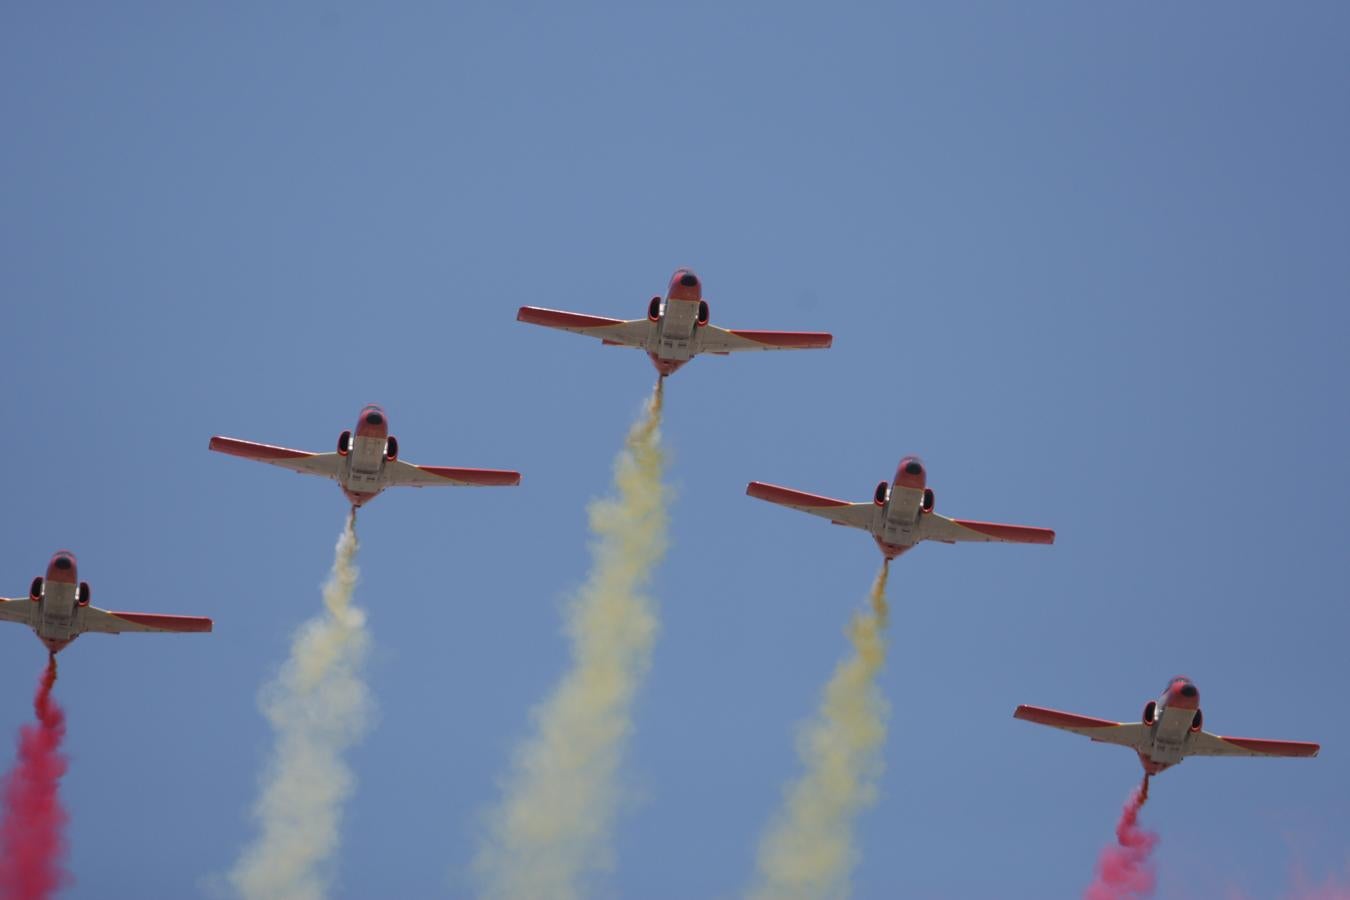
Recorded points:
(553, 826)
(318, 706)
(809, 851)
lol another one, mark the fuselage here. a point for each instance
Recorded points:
(901, 505)
(676, 319)
(57, 598)
(1173, 717)
(365, 452)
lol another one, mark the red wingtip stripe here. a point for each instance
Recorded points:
(775, 494)
(250, 450)
(486, 477)
(806, 340)
(1274, 748)
(536, 315)
(1022, 534)
(167, 623)
(1042, 716)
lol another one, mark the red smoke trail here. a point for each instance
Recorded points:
(1123, 871)
(32, 839)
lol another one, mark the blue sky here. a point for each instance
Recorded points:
(1090, 263)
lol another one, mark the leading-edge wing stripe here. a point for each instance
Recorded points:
(804, 340)
(1021, 534)
(250, 450)
(164, 622)
(788, 497)
(557, 318)
(484, 477)
(1273, 748)
(1053, 717)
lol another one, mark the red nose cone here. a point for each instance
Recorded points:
(684, 285)
(911, 473)
(1183, 695)
(372, 423)
(62, 567)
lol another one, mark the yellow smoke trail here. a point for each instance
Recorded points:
(318, 707)
(809, 851)
(553, 826)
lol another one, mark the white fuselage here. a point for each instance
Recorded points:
(897, 523)
(57, 612)
(673, 336)
(1169, 735)
(364, 472)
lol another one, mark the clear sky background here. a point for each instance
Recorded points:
(1091, 263)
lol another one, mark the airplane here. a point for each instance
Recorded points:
(900, 513)
(1172, 728)
(57, 609)
(676, 328)
(365, 463)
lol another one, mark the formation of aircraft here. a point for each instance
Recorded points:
(1171, 729)
(675, 329)
(900, 513)
(58, 610)
(366, 462)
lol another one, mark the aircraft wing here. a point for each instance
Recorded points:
(623, 332)
(1128, 734)
(329, 465)
(1205, 744)
(840, 512)
(721, 340)
(104, 621)
(19, 610)
(399, 472)
(940, 528)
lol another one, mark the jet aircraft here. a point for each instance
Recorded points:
(1171, 729)
(900, 513)
(57, 608)
(675, 329)
(366, 462)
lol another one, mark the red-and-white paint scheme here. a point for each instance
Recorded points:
(900, 513)
(57, 608)
(1171, 729)
(366, 462)
(675, 329)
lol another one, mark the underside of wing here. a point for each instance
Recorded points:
(623, 332)
(17, 610)
(841, 512)
(1128, 734)
(402, 473)
(940, 528)
(108, 622)
(329, 465)
(721, 340)
(1206, 744)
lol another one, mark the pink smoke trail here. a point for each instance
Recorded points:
(1123, 870)
(32, 830)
